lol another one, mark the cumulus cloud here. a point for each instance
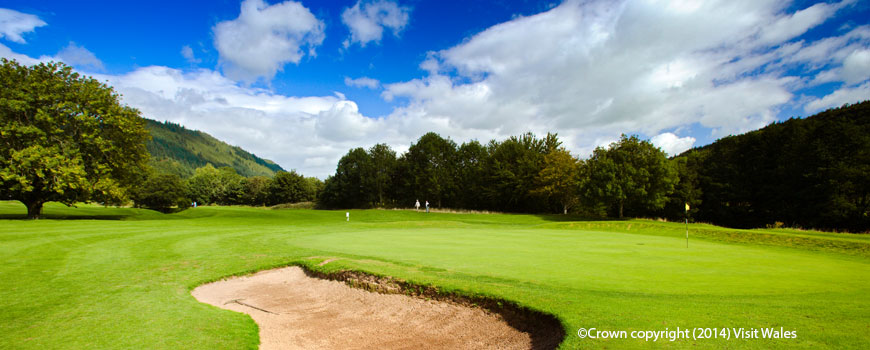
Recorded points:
(72, 55)
(264, 38)
(362, 82)
(285, 129)
(672, 144)
(367, 19)
(14, 24)
(79, 56)
(309, 134)
(856, 67)
(591, 70)
(342, 122)
(188, 55)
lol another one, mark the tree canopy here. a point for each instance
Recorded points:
(630, 172)
(559, 178)
(65, 137)
(161, 192)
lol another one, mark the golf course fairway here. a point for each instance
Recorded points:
(110, 278)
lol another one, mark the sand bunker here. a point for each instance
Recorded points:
(295, 311)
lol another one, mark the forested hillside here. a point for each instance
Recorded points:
(177, 150)
(812, 172)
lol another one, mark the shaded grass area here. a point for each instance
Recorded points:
(125, 282)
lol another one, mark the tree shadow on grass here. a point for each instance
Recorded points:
(7, 216)
(13, 210)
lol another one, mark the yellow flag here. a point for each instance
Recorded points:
(687, 206)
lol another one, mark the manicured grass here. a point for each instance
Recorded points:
(120, 277)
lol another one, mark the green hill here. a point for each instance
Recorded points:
(177, 150)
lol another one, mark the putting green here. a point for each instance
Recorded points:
(604, 261)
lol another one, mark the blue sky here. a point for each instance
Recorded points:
(303, 82)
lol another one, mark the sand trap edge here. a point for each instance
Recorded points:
(546, 330)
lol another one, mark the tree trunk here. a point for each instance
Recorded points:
(620, 208)
(34, 209)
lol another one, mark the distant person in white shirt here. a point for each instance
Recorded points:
(347, 215)
(427, 206)
(417, 205)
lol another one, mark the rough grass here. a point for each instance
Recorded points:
(120, 277)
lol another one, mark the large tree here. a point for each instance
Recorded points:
(205, 185)
(256, 190)
(349, 187)
(431, 166)
(512, 171)
(630, 172)
(288, 187)
(559, 179)
(383, 165)
(65, 137)
(161, 192)
(472, 158)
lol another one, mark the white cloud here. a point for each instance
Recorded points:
(285, 129)
(188, 55)
(787, 27)
(309, 134)
(362, 82)
(80, 57)
(367, 20)
(840, 97)
(837, 59)
(856, 67)
(591, 70)
(72, 55)
(343, 123)
(13, 24)
(672, 144)
(7, 53)
(264, 38)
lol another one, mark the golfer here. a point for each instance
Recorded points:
(427, 206)
(347, 214)
(417, 205)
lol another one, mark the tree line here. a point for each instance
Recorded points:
(520, 174)
(806, 173)
(222, 186)
(812, 173)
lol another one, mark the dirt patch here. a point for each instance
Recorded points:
(296, 310)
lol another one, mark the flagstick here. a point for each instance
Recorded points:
(687, 225)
